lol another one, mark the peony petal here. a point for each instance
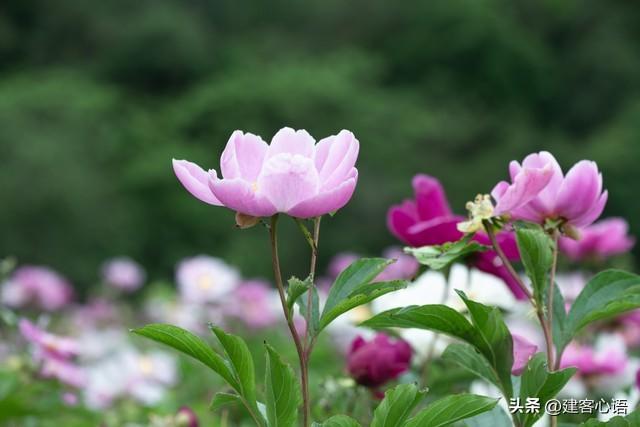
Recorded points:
(579, 191)
(243, 156)
(292, 141)
(434, 232)
(526, 185)
(593, 213)
(195, 180)
(523, 350)
(335, 157)
(430, 197)
(286, 180)
(327, 201)
(240, 196)
(400, 218)
(543, 204)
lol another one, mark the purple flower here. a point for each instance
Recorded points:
(204, 279)
(601, 240)
(254, 303)
(575, 198)
(123, 273)
(404, 268)
(523, 349)
(186, 417)
(38, 286)
(293, 175)
(426, 220)
(378, 361)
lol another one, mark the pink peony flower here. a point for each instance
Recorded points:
(428, 220)
(378, 361)
(601, 240)
(523, 350)
(609, 357)
(255, 304)
(123, 273)
(37, 286)
(576, 197)
(293, 175)
(204, 279)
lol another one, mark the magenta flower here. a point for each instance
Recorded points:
(37, 286)
(523, 350)
(576, 198)
(123, 273)
(293, 175)
(426, 220)
(186, 417)
(378, 361)
(601, 240)
(490, 262)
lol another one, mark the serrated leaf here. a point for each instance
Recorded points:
(191, 345)
(438, 257)
(470, 359)
(338, 421)
(448, 410)
(360, 296)
(397, 405)
(608, 294)
(296, 289)
(282, 391)
(536, 253)
(492, 329)
(359, 273)
(538, 382)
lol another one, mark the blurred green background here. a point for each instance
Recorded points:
(97, 97)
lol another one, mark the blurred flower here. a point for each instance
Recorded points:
(404, 268)
(255, 303)
(54, 354)
(378, 361)
(523, 350)
(186, 417)
(293, 175)
(489, 261)
(480, 209)
(204, 279)
(37, 286)
(575, 198)
(123, 273)
(601, 240)
(340, 262)
(426, 220)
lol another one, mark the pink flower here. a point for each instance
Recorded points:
(37, 286)
(523, 349)
(293, 175)
(426, 220)
(404, 268)
(576, 198)
(608, 357)
(254, 303)
(123, 273)
(340, 262)
(204, 279)
(380, 360)
(601, 240)
(186, 417)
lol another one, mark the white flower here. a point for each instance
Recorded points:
(204, 279)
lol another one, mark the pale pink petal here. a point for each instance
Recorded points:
(326, 202)
(527, 184)
(292, 141)
(335, 157)
(545, 200)
(593, 213)
(523, 350)
(243, 156)
(239, 195)
(286, 180)
(195, 180)
(579, 191)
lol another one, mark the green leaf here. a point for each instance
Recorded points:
(314, 319)
(494, 332)
(242, 363)
(448, 410)
(281, 390)
(470, 359)
(536, 253)
(221, 400)
(338, 421)
(438, 257)
(538, 382)
(559, 319)
(496, 417)
(608, 294)
(360, 296)
(397, 405)
(295, 290)
(191, 345)
(358, 274)
(433, 317)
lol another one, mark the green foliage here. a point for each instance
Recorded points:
(438, 257)
(397, 405)
(448, 410)
(338, 421)
(536, 253)
(296, 288)
(281, 390)
(496, 417)
(472, 360)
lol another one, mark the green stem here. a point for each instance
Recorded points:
(292, 329)
(552, 283)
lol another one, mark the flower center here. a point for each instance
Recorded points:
(205, 282)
